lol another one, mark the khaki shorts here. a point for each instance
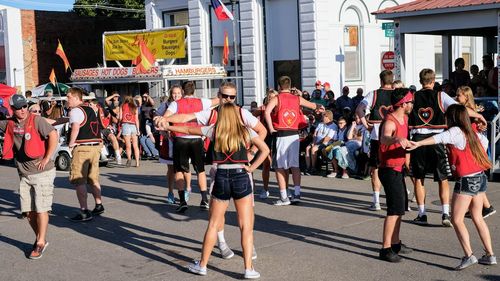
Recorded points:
(85, 165)
(37, 191)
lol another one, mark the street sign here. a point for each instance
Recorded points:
(387, 25)
(388, 60)
(389, 33)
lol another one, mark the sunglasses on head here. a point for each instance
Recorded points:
(22, 107)
(224, 96)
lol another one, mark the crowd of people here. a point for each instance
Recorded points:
(391, 133)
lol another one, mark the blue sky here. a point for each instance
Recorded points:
(47, 5)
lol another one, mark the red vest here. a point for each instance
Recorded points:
(288, 116)
(393, 156)
(462, 162)
(105, 121)
(186, 106)
(34, 145)
(127, 115)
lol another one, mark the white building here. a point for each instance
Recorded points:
(336, 41)
(11, 48)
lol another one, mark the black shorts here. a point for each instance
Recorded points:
(395, 191)
(106, 132)
(185, 149)
(231, 183)
(429, 159)
(373, 161)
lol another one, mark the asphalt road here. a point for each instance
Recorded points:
(331, 235)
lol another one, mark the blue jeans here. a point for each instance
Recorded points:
(231, 183)
(148, 146)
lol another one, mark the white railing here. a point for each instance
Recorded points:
(495, 136)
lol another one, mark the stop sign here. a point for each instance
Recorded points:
(388, 60)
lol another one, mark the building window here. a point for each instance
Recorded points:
(352, 50)
(175, 18)
(438, 65)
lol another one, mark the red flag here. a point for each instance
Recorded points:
(60, 53)
(52, 77)
(225, 53)
(145, 60)
(221, 11)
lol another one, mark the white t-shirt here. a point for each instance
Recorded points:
(206, 104)
(323, 130)
(76, 115)
(446, 102)
(368, 101)
(456, 137)
(248, 119)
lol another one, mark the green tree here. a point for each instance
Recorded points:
(110, 8)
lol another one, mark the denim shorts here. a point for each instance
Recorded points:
(129, 129)
(471, 185)
(231, 183)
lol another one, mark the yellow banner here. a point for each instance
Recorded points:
(164, 44)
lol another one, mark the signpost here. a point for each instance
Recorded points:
(388, 60)
(388, 27)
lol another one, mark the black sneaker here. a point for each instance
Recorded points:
(446, 220)
(99, 209)
(421, 220)
(204, 205)
(182, 207)
(84, 215)
(388, 254)
(488, 211)
(401, 248)
(295, 199)
(306, 173)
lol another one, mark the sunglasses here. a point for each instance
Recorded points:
(224, 96)
(23, 107)
(35, 111)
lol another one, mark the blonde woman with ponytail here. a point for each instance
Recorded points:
(468, 160)
(231, 141)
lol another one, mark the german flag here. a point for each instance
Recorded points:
(60, 53)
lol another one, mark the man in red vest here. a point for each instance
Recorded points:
(32, 141)
(392, 155)
(189, 147)
(284, 117)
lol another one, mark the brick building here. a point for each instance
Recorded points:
(81, 38)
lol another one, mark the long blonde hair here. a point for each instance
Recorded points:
(230, 133)
(467, 92)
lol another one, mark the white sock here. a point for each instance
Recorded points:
(117, 153)
(421, 210)
(297, 190)
(446, 209)
(376, 197)
(220, 237)
(283, 194)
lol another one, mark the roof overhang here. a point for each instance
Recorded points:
(478, 20)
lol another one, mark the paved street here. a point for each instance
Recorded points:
(330, 236)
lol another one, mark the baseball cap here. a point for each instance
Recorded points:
(18, 101)
(317, 83)
(326, 84)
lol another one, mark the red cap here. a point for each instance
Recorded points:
(326, 84)
(318, 83)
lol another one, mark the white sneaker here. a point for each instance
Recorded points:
(332, 175)
(119, 160)
(375, 207)
(251, 274)
(225, 251)
(197, 269)
(264, 194)
(345, 176)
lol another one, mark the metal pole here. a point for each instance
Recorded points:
(235, 47)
